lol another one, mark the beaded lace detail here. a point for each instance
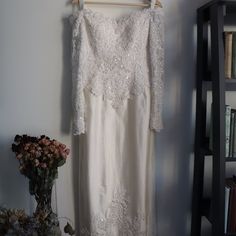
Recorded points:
(116, 220)
(118, 59)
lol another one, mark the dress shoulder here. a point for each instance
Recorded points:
(75, 17)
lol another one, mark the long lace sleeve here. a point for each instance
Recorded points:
(78, 99)
(156, 47)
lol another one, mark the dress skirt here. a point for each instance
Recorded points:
(116, 168)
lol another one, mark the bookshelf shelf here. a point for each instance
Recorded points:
(227, 159)
(207, 152)
(230, 85)
(211, 17)
(230, 159)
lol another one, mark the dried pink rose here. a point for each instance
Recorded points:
(45, 141)
(67, 151)
(45, 151)
(43, 165)
(49, 155)
(32, 151)
(37, 154)
(63, 146)
(19, 156)
(56, 143)
(52, 148)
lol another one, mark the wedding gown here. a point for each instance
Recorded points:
(117, 66)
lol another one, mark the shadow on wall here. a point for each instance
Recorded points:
(66, 88)
(175, 144)
(76, 171)
(66, 111)
(13, 183)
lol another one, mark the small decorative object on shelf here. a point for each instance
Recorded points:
(39, 159)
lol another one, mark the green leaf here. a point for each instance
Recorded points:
(40, 171)
(2, 221)
(62, 162)
(69, 230)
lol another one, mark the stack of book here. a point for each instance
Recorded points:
(230, 132)
(230, 206)
(230, 54)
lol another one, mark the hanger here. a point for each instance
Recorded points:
(157, 4)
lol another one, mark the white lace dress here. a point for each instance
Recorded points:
(117, 68)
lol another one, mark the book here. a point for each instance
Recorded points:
(227, 129)
(231, 224)
(231, 138)
(234, 55)
(211, 130)
(234, 134)
(228, 54)
(233, 141)
(227, 193)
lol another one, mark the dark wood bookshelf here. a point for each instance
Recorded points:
(206, 209)
(211, 17)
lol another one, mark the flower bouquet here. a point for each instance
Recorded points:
(39, 159)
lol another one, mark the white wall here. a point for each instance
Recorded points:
(35, 98)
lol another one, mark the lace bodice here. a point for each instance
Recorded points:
(118, 59)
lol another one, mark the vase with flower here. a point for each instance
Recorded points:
(39, 159)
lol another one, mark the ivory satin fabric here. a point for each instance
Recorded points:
(116, 172)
